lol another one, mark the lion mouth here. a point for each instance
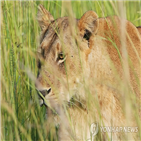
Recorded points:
(74, 102)
(41, 100)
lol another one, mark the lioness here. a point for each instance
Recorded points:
(89, 71)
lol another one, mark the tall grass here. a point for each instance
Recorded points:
(22, 118)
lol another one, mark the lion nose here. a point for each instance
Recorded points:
(45, 92)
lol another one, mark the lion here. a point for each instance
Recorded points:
(89, 68)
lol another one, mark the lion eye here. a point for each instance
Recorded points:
(61, 56)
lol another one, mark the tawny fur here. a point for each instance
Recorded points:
(96, 65)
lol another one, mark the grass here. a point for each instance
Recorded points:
(21, 116)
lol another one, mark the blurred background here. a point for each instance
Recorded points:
(21, 116)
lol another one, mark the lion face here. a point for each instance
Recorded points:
(63, 52)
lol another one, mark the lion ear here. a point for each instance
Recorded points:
(88, 24)
(44, 17)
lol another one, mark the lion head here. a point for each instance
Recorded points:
(63, 54)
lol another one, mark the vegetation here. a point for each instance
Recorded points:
(21, 117)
